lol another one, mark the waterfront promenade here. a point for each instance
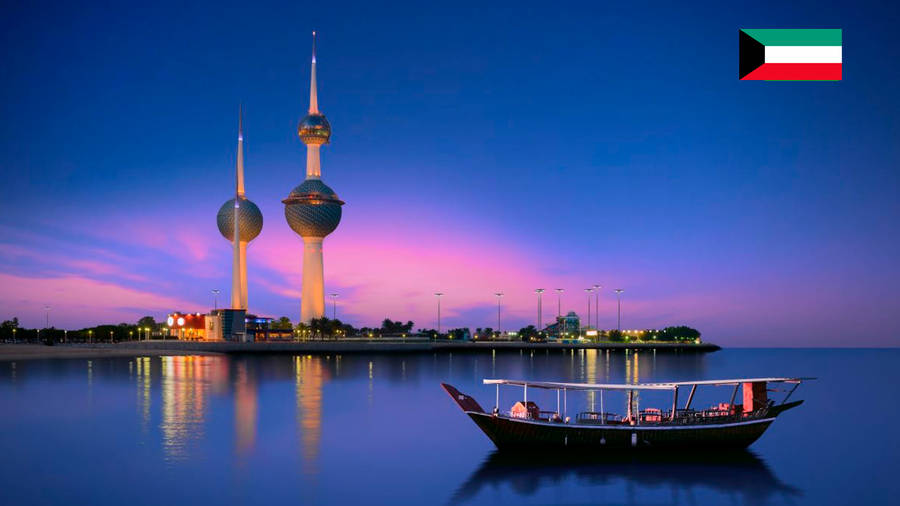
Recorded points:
(173, 347)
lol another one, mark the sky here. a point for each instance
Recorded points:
(478, 147)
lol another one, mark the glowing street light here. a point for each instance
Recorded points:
(619, 308)
(438, 295)
(539, 291)
(499, 296)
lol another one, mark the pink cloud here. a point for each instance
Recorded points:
(79, 301)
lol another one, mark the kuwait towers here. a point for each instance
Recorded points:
(240, 222)
(312, 209)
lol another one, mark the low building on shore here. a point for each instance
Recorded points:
(218, 325)
(568, 326)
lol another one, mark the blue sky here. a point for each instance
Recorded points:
(477, 147)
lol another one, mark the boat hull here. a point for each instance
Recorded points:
(508, 434)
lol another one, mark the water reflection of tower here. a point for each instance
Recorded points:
(185, 384)
(310, 377)
(245, 409)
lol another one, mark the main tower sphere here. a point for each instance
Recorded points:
(313, 209)
(250, 220)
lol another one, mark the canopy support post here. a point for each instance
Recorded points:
(557, 401)
(788, 396)
(602, 414)
(565, 399)
(497, 404)
(526, 394)
(674, 403)
(630, 409)
(733, 395)
(687, 405)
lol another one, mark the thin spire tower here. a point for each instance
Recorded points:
(238, 272)
(239, 221)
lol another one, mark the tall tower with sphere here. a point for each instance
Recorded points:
(239, 221)
(312, 209)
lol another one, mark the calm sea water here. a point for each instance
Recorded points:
(377, 429)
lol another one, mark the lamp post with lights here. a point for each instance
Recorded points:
(589, 292)
(597, 288)
(499, 296)
(539, 291)
(619, 309)
(438, 295)
(334, 297)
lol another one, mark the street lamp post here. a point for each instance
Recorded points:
(539, 291)
(597, 288)
(216, 299)
(619, 309)
(559, 292)
(588, 291)
(90, 336)
(334, 297)
(110, 337)
(47, 311)
(499, 296)
(438, 295)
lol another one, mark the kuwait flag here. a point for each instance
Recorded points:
(790, 55)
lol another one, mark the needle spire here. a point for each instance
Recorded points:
(313, 98)
(240, 152)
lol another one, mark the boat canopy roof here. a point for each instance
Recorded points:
(550, 385)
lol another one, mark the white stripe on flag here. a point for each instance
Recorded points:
(804, 54)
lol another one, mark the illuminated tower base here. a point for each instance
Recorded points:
(312, 301)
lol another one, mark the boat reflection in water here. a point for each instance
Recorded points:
(738, 474)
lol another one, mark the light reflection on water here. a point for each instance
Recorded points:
(244, 428)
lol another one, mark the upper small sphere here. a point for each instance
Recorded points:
(314, 129)
(250, 220)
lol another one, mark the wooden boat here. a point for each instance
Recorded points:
(726, 425)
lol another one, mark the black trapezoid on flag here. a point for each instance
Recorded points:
(752, 54)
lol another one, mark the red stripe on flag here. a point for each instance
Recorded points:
(796, 72)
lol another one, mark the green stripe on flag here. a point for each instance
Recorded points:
(797, 37)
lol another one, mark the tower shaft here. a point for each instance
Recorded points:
(313, 167)
(242, 247)
(237, 261)
(312, 301)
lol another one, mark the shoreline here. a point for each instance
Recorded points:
(11, 352)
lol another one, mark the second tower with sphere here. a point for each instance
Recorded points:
(312, 209)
